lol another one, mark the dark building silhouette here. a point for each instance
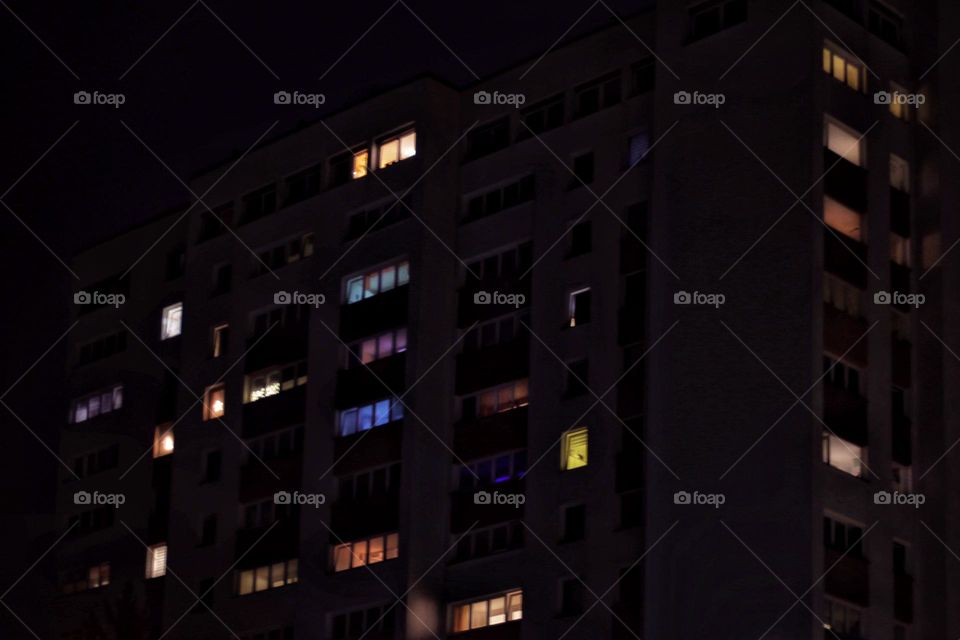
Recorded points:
(612, 324)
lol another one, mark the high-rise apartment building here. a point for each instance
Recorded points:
(648, 337)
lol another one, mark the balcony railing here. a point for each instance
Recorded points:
(849, 579)
(490, 366)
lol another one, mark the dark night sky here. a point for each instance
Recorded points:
(195, 97)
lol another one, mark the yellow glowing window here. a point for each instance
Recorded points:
(163, 440)
(843, 68)
(213, 402)
(396, 149)
(574, 449)
(360, 161)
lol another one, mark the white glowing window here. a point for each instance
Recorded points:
(843, 455)
(157, 560)
(844, 219)
(171, 320)
(378, 281)
(396, 149)
(845, 142)
(91, 406)
(368, 416)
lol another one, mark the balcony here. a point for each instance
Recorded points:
(849, 579)
(279, 346)
(362, 517)
(482, 437)
(275, 412)
(257, 481)
(841, 331)
(505, 631)
(380, 313)
(903, 597)
(845, 258)
(470, 311)
(846, 182)
(490, 366)
(365, 384)
(845, 412)
(380, 446)
(258, 547)
(464, 511)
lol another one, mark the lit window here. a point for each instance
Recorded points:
(351, 555)
(899, 173)
(396, 149)
(898, 108)
(843, 67)
(163, 440)
(574, 449)
(361, 159)
(270, 576)
(98, 575)
(91, 406)
(378, 281)
(157, 560)
(505, 607)
(843, 455)
(900, 249)
(842, 618)
(219, 339)
(503, 398)
(578, 307)
(213, 401)
(637, 148)
(378, 347)
(844, 219)
(845, 142)
(367, 416)
(171, 320)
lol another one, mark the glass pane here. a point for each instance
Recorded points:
(388, 278)
(396, 410)
(826, 60)
(461, 618)
(487, 404)
(261, 579)
(341, 557)
(403, 273)
(393, 546)
(389, 152)
(505, 398)
(381, 414)
(498, 614)
(277, 575)
(408, 145)
(844, 143)
(853, 77)
(293, 569)
(93, 406)
(839, 64)
(365, 418)
(371, 284)
(348, 422)
(368, 350)
(360, 161)
(375, 551)
(478, 614)
(385, 345)
(515, 605)
(520, 392)
(359, 554)
(354, 290)
(246, 582)
(401, 341)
